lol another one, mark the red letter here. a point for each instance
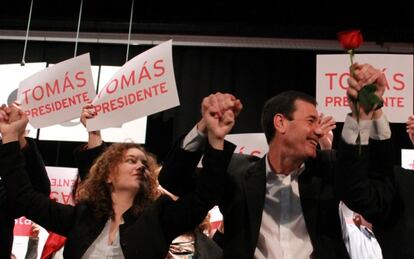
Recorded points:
(396, 78)
(81, 79)
(331, 75)
(161, 68)
(341, 78)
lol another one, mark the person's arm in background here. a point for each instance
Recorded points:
(180, 178)
(86, 154)
(364, 186)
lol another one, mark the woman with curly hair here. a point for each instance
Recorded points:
(119, 213)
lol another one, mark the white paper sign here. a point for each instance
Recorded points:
(58, 93)
(407, 158)
(143, 86)
(250, 143)
(62, 180)
(71, 130)
(332, 73)
(10, 77)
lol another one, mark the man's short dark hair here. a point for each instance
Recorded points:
(283, 103)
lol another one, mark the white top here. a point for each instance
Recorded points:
(100, 249)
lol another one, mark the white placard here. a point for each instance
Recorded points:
(62, 180)
(250, 143)
(58, 93)
(407, 158)
(332, 73)
(71, 130)
(134, 130)
(254, 144)
(143, 86)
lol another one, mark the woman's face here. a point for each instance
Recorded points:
(131, 172)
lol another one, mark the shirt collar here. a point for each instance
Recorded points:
(293, 175)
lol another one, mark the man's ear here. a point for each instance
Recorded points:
(279, 122)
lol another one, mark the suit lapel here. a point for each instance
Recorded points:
(255, 188)
(308, 191)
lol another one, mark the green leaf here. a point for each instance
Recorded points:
(368, 99)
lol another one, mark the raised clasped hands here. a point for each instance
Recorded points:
(218, 116)
(13, 122)
(364, 75)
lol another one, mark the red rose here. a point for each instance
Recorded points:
(351, 39)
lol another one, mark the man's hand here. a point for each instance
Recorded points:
(219, 112)
(410, 128)
(220, 103)
(326, 126)
(364, 75)
(4, 110)
(219, 126)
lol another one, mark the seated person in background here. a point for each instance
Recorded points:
(358, 236)
(119, 211)
(37, 176)
(33, 242)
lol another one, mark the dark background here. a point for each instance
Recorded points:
(252, 74)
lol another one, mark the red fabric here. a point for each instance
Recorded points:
(53, 243)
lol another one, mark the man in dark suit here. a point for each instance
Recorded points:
(396, 235)
(286, 204)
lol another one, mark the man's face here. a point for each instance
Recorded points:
(303, 131)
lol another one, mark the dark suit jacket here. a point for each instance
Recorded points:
(8, 211)
(322, 185)
(395, 230)
(396, 235)
(243, 203)
(146, 235)
(206, 248)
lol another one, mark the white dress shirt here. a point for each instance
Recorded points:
(283, 232)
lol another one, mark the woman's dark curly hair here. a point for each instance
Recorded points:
(95, 191)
